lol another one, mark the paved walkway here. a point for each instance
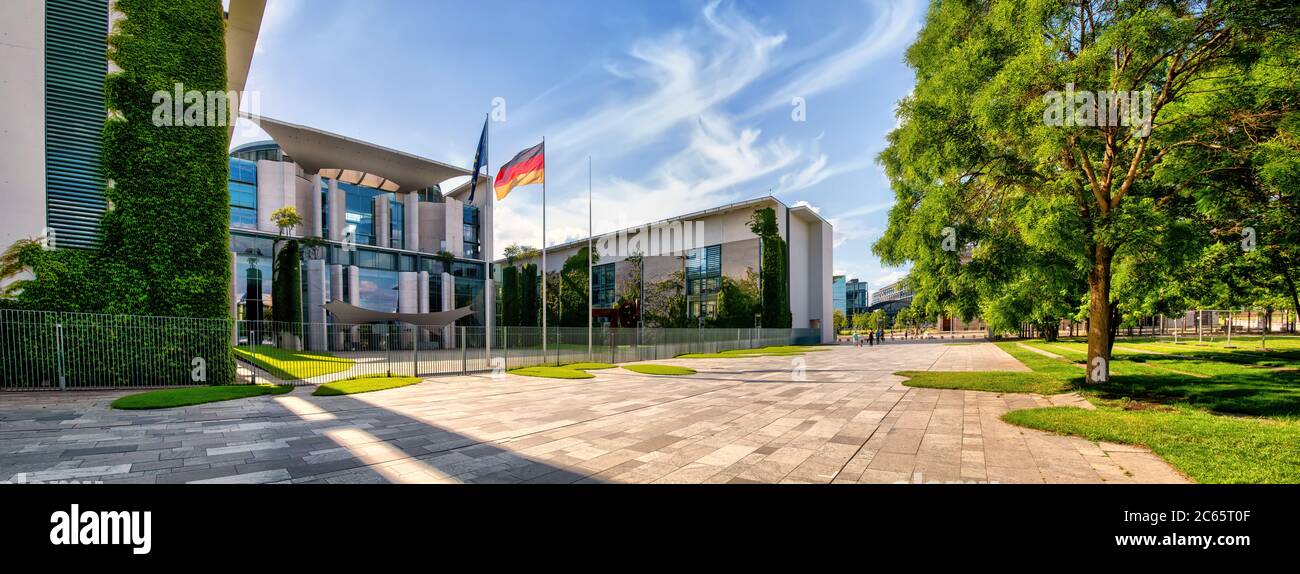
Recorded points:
(830, 416)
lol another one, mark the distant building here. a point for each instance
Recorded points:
(855, 294)
(837, 295)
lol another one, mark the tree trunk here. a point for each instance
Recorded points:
(1101, 329)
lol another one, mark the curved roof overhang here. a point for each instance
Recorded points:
(352, 315)
(354, 161)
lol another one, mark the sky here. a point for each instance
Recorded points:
(681, 105)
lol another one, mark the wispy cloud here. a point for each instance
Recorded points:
(895, 25)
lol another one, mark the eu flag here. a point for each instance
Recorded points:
(480, 157)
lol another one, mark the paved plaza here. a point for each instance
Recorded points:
(836, 416)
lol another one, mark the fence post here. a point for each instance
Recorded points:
(464, 364)
(58, 335)
(505, 348)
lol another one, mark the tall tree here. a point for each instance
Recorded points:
(1067, 108)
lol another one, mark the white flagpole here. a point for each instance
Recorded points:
(490, 322)
(545, 355)
(590, 256)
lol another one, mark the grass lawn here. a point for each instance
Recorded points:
(293, 365)
(659, 369)
(552, 372)
(188, 396)
(588, 366)
(1210, 448)
(1186, 405)
(364, 384)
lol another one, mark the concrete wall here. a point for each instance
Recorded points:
(277, 186)
(22, 133)
(433, 226)
(797, 244)
(454, 218)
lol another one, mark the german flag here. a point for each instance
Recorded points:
(528, 167)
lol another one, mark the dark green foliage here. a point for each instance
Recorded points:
(573, 296)
(529, 296)
(738, 302)
(775, 278)
(286, 284)
(165, 246)
(665, 302)
(510, 296)
(169, 222)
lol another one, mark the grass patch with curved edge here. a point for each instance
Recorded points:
(659, 370)
(189, 396)
(293, 365)
(552, 372)
(1207, 447)
(588, 366)
(1171, 403)
(365, 384)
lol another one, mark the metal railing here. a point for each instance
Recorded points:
(47, 350)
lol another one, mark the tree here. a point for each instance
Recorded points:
(738, 302)
(775, 283)
(977, 141)
(510, 297)
(286, 218)
(838, 320)
(528, 296)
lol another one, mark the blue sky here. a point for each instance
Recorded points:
(682, 105)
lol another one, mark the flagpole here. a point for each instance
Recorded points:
(491, 215)
(590, 257)
(545, 355)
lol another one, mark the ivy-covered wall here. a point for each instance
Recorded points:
(165, 243)
(170, 211)
(775, 269)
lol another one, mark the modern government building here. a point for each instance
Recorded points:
(396, 238)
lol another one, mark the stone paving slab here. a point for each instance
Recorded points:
(834, 416)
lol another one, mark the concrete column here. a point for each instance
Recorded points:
(338, 210)
(411, 227)
(448, 303)
(354, 296)
(382, 221)
(313, 219)
(336, 294)
(315, 315)
(423, 279)
(408, 300)
(455, 227)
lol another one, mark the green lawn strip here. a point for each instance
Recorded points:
(189, 396)
(552, 372)
(1209, 448)
(659, 369)
(294, 365)
(365, 384)
(992, 381)
(588, 366)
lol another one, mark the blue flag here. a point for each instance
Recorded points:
(480, 158)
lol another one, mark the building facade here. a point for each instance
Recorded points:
(391, 239)
(838, 302)
(688, 256)
(54, 58)
(855, 299)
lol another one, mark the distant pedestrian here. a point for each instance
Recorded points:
(871, 338)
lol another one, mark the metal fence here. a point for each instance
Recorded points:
(43, 350)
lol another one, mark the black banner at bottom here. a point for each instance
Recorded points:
(304, 524)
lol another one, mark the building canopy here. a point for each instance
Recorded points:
(353, 315)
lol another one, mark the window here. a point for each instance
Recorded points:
(470, 235)
(397, 221)
(703, 280)
(242, 187)
(360, 216)
(602, 286)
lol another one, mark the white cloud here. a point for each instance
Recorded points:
(687, 72)
(894, 27)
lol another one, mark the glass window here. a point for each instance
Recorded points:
(397, 216)
(378, 289)
(703, 280)
(602, 285)
(243, 218)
